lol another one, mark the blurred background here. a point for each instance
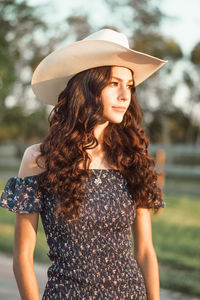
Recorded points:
(170, 99)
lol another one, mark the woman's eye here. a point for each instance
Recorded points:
(130, 86)
(113, 83)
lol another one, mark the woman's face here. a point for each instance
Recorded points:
(116, 96)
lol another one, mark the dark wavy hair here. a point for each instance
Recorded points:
(71, 133)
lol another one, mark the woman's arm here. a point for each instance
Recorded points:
(144, 252)
(24, 245)
(25, 235)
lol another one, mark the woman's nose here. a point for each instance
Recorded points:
(124, 94)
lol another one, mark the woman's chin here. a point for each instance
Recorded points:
(116, 120)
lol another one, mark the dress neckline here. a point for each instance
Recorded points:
(104, 169)
(34, 176)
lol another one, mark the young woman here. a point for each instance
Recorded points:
(91, 179)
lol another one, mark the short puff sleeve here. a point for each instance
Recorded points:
(20, 195)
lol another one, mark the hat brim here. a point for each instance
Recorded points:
(53, 73)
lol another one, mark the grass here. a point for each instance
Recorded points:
(176, 239)
(177, 243)
(7, 220)
(182, 182)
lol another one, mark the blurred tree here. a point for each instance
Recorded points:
(36, 125)
(195, 55)
(12, 123)
(18, 126)
(18, 22)
(24, 41)
(79, 25)
(178, 123)
(191, 78)
(145, 26)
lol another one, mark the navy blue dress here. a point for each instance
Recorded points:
(91, 257)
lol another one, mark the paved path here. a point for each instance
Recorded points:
(8, 287)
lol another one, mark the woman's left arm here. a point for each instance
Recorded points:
(144, 252)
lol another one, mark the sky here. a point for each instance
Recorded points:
(183, 23)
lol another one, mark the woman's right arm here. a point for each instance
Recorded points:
(25, 236)
(24, 245)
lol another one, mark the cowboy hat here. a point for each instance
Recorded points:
(102, 48)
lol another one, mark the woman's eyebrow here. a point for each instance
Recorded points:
(120, 79)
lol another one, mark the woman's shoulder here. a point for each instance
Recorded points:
(28, 166)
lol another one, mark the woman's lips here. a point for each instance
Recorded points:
(119, 108)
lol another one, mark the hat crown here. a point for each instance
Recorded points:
(110, 36)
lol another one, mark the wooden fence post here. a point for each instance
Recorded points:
(160, 162)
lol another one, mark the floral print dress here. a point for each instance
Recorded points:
(91, 257)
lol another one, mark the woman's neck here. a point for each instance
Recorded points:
(99, 131)
(96, 154)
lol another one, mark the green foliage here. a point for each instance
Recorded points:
(195, 55)
(186, 281)
(7, 221)
(18, 21)
(145, 23)
(177, 124)
(146, 15)
(80, 26)
(20, 53)
(16, 125)
(159, 46)
(177, 243)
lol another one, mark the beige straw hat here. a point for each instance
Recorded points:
(102, 48)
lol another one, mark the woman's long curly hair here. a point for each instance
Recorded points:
(71, 133)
